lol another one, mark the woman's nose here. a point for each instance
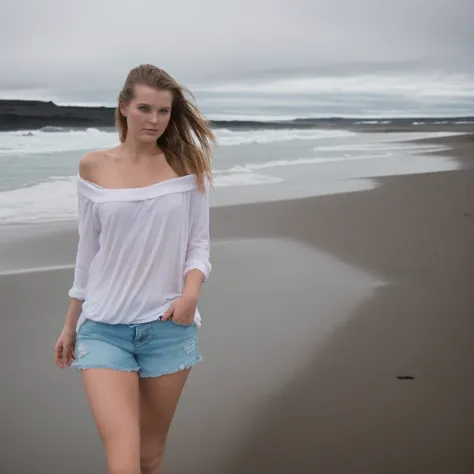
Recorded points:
(154, 118)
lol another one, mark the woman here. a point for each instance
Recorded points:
(142, 256)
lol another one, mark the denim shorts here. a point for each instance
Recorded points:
(152, 349)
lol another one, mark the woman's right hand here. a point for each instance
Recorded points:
(64, 350)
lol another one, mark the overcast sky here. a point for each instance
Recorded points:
(79, 48)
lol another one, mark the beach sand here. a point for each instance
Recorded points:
(314, 309)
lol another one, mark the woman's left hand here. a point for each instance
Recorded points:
(182, 309)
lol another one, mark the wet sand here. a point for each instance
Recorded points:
(314, 308)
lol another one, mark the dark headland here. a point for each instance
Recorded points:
(35, 115)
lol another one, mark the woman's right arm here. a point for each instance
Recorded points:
(72, 316)
(87, 248)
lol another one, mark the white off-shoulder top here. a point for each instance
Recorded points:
(136, 246)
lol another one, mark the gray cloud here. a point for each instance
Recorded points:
(53, 45)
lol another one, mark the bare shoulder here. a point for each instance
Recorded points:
(91, 163)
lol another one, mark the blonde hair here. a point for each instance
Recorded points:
(183, 154)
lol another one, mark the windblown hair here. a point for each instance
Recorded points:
(177, 142)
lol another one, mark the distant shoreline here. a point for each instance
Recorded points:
(17, 115)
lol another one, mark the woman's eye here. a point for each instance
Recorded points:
(143, 108)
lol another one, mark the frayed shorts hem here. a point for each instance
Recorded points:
(104, 366)
(188, 365)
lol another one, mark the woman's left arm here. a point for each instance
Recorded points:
(197, 264)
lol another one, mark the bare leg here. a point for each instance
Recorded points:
(113, 398)
(159, 399)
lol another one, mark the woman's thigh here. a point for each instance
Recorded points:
(104, 356)
(114, 401)
(165, 360)
(159, 398)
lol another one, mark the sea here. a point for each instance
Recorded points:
(38, 168)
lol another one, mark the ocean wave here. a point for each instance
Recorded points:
(373, 122)
(64, 140)
(250, 168)
(227, 137)
(55, 199)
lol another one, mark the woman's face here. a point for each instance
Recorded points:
(148, 113)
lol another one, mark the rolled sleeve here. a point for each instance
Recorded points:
(198, 248)
(87, 248)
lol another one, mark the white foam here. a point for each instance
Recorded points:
(56, 199)
(373, 122)
(371, 147)
(244, 179)
(250, 167)
(236, 137)
(231, 117)
(461, 122)
(57, 140)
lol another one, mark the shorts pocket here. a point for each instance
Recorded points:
(182, 325)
